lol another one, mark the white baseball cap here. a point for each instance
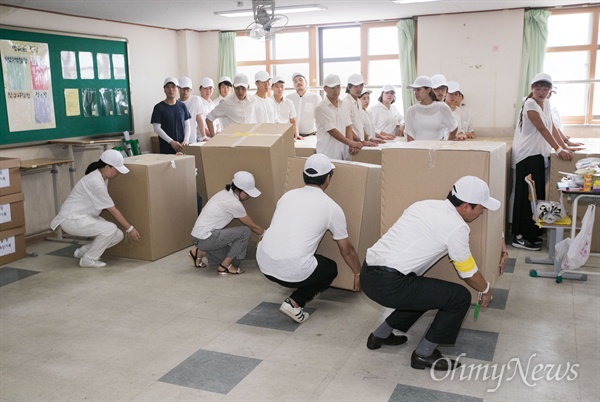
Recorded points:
(388, 88)
(542, 77)
(115, 159)
(356, 79)
(277, 79)
(318, 165)
(365, 91)
(224, 79)
(185, 82)
(171, 80)
(207, 82)
(297, 74)
(262, 76)
(331, 81)
(453, 87)
(245, 181)
(422, 82)
(473, 190)
(240, 80)
(439, 81)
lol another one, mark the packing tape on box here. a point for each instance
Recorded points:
(250, 133)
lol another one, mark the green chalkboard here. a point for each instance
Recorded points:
(62, 85)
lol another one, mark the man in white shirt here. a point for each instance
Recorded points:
(265, 108)
(195, 107)
(286, 112)
(224, 85)
(305, 103)
(206, 91)
(239, 109)
(334, 126)
(354, 89)
(286, 253)
(392, 274)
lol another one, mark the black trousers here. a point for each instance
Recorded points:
(522, 222)
(411, 296)
(317, 282)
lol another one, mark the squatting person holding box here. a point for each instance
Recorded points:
(392, 274)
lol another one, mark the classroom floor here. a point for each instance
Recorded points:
(164, 330)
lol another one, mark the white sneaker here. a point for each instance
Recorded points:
(85, 263)
(295, 313)
(78, 253)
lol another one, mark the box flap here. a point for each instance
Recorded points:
(7, 163)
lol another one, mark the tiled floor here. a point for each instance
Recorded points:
(164, 330)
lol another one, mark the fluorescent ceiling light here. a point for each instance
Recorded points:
(278, 10)
(411, 1)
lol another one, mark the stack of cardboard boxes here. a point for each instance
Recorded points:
(12, 212)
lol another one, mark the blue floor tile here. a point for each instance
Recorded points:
(406, 393)
(474, 344)
(65, 251)
(509, 265)
(10, 275)
(267, 315)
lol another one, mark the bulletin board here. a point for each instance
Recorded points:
(61, 85)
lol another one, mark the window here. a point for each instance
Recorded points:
(572, 59)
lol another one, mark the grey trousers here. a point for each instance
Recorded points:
(228, 242)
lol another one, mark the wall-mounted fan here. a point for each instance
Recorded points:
(266, 23)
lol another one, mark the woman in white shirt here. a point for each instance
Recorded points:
(428, 119)
(366, 115)
(79, 215)
(385, 116)
(225, 247)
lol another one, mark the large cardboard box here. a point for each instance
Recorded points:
(10, 176)
(306, 147)
(154, 144)
(261, 149)
(356, 187)
(196, 151)
(12, 211)
(592, 150)
(12, 245)
(158, 197)
(421, 170)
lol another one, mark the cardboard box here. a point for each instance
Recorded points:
(12, 245)
(154, 146)
(306, 147)
(592, 150)
(195, 150)
(356, 187)
(158, 197)
(261, 149)
(12, 211)
(10, 176)
(421, 170)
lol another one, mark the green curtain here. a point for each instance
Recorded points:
(535, 37)
(408, 69)
(227, 64)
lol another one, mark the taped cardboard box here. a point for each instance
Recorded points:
(10, 176)
(421, 170)
(356, 187)
(306, 147)
(261, 149)
(12, 211)
(195, 150)
(158, 197)
(12, 245)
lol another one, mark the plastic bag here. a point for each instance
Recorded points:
(575, 252)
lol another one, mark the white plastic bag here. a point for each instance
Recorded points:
(575, 252)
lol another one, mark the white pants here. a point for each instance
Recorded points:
(106, 234)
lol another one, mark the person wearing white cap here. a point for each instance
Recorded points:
(194, 105)
(365, 99)
(286, 253)
(392, 274)
(171, 120)
(428, 119)
(305, 103)
(239, 108)
(467, 121)
(206, 91)
(354, 89)
(79, 214)
(265, 108)
(224, 86)
(440, 86)
(385, 115)
(335, 137)
(453, 103)
(225, 247)
(286, 112)
(535, 138)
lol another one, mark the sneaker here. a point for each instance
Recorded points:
(86, 263)
(78, 253)
(295, 313)
(520, 242)
(537, 242)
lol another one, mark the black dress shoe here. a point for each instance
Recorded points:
(375, 343)
(436, 360)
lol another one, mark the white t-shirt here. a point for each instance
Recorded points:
(426, 231)
(221, 209)
(429, 122)
(88, 197)
(287, 248)
(285, 109)
(386, 120)
(528, 140)
(232, 110)
(195, 106)
(207, 106)
(265, 110)
(368, 122)
(329, 117)
(305, 110)
(354, 109)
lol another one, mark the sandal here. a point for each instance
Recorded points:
(226, 271)
(198, 263)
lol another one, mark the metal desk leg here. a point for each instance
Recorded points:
(71, 166)
(556, 235)
(59, 233)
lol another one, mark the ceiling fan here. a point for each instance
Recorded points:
(266, 23)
